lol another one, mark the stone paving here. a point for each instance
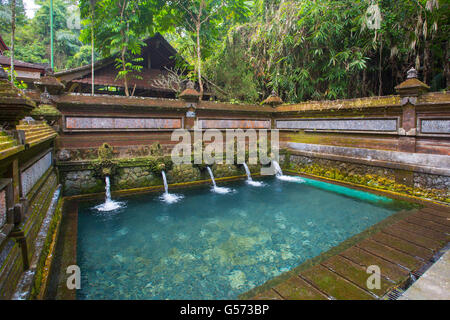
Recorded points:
(398, 250)
(434, 284)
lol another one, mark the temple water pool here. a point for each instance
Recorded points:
(216, 246)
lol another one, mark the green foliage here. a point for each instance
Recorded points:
(230, 71)
(19, 84)
(105, 152)
(32, 42)
(119, 29)
(323, 49)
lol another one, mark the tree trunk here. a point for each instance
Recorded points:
(364, 85)
(446, 65)
(124, 51)
(199, 61)
(13, 32)
(380, 68)
(125, 80)
(92, 53)
(426, 62)
(198, 25)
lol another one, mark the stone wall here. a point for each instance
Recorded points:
(86, 180)
(429, 186)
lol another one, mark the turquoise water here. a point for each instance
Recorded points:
(216, 246)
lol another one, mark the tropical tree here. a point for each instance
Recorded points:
(203, 20)
(119, 29)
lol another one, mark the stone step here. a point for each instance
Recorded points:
(423, 231)
(38, 132)
(391, 254)
(5, 138)
(413, 238)
(403, 245)
(334, 285)
(6, 144)
(296, 288)
(429, 217)
(389, 270)
(30, 127)
(356, 274)
(37, 137)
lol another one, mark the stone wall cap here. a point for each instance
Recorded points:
(412, 83)
(273, 99)
(190, 94)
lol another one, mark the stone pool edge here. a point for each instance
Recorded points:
(258, 292)
(66, 246)
(346, 244)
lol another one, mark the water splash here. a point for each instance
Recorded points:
(279, 174)
(249, 178)
(109, 204)
(215, 188)
(169, 197)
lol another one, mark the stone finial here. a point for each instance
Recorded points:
(50, 83)
(190, 85)
(273, 99)
(3, 74)
(411, 88)
(190, 94)
(14, 103)
(49, 71)
(411, 74)
(45, 97)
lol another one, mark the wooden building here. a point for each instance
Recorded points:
(25, 71)
(159, 76)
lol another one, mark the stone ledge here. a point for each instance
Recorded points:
(416, 162)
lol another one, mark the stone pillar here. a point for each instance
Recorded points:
(191, 96)
(409, 90)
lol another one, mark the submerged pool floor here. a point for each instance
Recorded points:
(214, 246)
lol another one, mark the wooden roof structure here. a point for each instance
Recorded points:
(26, 71)
(3, 46)
(158, 56)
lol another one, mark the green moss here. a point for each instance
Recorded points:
(41, 271)
(370, 180)
(105, 152)
(46, 110)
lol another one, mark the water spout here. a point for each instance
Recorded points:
(279, 174)
(169, 197)
(249, 177)
(277, 168)
(109, 204)
(215, 187)
(166, 186)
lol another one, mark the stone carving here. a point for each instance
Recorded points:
(190, 114)
(30, 176)
(234, 124)
(435, 126)
(78, 123)
(357, 124)
(64, 155)
(2, 207)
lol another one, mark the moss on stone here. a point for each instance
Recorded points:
(46, 110)
(370, 180)
(43, 265)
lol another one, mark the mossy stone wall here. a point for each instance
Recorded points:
(139, 175)
(422, 185)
